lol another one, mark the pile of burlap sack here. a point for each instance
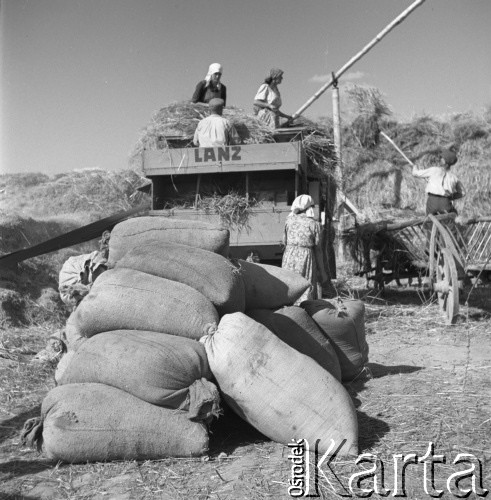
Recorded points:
(172, 328)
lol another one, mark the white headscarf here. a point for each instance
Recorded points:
(214, 68)
(303, 205)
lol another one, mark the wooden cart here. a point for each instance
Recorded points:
(437, 248)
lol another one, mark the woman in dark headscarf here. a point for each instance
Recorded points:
(211, 87)
(267, 101)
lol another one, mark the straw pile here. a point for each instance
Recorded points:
(370, 107)
(233, 209)
(182, 118)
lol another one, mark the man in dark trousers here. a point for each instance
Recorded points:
(442, 186)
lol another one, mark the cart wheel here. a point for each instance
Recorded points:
(446, 285)
(441, 237)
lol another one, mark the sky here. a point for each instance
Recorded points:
(81, 78)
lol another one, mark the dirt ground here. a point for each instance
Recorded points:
(431, 383)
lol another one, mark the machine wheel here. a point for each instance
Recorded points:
(446, 284)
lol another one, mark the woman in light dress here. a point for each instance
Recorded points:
(303, 253)
(267, 101)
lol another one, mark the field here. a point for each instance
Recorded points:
(430, 382)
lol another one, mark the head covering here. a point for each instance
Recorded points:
(303, 204)
(214, 68)
(216, 105)
(275, 73)
(97, 259)
(449, 156)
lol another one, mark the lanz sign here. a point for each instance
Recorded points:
(224, 153)
(252, 157)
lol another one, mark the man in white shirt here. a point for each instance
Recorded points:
(442, 186)
(214, 130)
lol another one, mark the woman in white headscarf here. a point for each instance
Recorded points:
(211, 87)
(302, 240)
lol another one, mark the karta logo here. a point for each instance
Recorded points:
(306, 475)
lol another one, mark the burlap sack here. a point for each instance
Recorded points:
(138, 230)
(161, 369)
(98, 423)
(296, 328)
(211, 274)
(65, 361)
(124, 299)
(281, 392)
(270, 287)
(343, 321)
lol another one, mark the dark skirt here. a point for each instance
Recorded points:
(439, 205)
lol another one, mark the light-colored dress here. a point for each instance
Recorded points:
(270, 95)
(301, 235)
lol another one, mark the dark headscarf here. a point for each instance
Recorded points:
(216, 105)
(449, 156)
(273, 74)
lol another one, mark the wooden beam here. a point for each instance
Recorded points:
(198, 183)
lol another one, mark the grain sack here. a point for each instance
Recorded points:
(296, 328)
(343, 321)
(64, 362)
(270, 287)
(211, 274)
(97, 423)
(281, 392)
(161, 369)
(73, 335)
(138, 230)
(124, 299)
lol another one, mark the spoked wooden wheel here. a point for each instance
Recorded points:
(446, 284)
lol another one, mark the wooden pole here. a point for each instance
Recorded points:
(336, 121)
(359, 55)
(198, 185)
(247, 186)
(383, 134)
